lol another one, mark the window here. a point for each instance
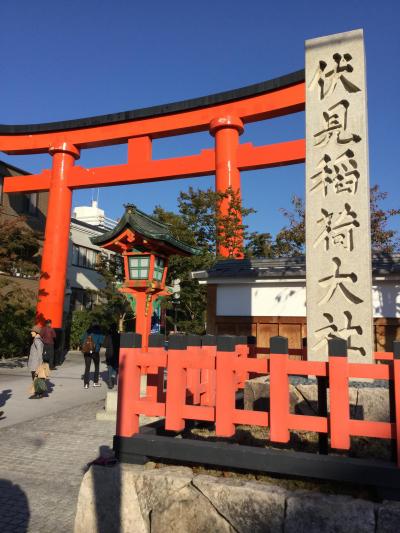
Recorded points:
(84, 257)
(139, 267)
(81, 299)
(29, 203)
(158, 268)
(32, 203)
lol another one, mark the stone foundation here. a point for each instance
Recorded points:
(366, 402)
(140, 499)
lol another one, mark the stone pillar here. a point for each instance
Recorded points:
(338, 235)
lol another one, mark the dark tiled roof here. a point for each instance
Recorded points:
(86, 225)
(147, 226)
(6, 169)
(286, 267)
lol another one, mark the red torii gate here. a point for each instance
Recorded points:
(223, 115)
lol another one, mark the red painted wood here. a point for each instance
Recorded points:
(251, 418)
(279, 397)
(53, 271)
(128, 392)
(155, 374)
(194, 372)
(372, 371)
(225, 395)
(396, 385)
(366, 428)
(318, 424)
(339, 419)
(208, 377)
(176, 392)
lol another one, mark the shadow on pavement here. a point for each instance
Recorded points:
(50, 386)
(5, 395)
(13, 363)
(14, 507)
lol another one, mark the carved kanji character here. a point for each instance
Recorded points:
(338, 281)
(338, 231)
(326, 332)
(332, 331)
(335, 126)
(342, 173)
(327, 78)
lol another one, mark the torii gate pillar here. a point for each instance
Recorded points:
(226, 131)
(55, 249)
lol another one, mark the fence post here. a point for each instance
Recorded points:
(395, 401)
(155, 381)
(279, 389)
(128, 384)
(176, 384)
(242, 349)
(208, 377)
(339, 394)
(226, 387)
(193, 374)
(252, 344)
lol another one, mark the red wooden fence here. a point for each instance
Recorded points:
(204, 374)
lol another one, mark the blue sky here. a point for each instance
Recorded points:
(76, 58)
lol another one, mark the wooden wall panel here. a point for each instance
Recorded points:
(293, 333)
(386, 330)
(264, 333)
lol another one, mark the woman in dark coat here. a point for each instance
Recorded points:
(111, 344)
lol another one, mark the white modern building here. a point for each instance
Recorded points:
(82, 277)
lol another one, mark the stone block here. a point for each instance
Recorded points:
(248, 506)
(366, 403)
(256, 389)
(388, 517)
(188, 511)
(106, 498)
(111, 401)
(156, 487)
(321, 513)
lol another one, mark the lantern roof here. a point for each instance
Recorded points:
(143, 227)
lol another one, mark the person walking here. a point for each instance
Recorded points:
(111, 344)
(35, 358)
(48, 337)
(91, 344)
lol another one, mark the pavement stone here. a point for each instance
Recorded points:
(44, 456)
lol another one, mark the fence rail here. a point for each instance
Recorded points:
(204, 374)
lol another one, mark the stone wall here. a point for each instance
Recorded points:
(140, 499)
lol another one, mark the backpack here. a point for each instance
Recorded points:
(88, 346)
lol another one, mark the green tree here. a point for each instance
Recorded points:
(196, 223)
(19, 247)
(384, 239)
(290, 240)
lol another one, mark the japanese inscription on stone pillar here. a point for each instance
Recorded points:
(338, 236)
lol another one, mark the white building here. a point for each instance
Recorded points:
(82, 277)
(267, 297)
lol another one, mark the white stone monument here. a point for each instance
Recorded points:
(338, 236)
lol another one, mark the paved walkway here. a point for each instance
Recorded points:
(45, 446)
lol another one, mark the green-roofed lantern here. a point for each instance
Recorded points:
(145, 245)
